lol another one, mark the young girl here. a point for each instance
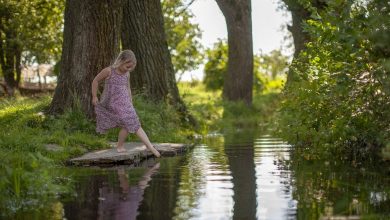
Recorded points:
(115, 108)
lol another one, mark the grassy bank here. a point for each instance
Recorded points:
(28, 129)
(32, 144)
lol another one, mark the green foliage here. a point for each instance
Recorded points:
(36, 26)
(183, 36)
(29, 182)
(273, 64)
(269, 69)
(26, 182)
(338, 101)
(216, 65)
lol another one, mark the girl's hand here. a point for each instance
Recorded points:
(95, 100)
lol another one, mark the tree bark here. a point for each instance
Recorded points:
(299, 14)
(239, 76)
(143, 32)
(91, 42)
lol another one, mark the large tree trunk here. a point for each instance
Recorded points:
(239, 77)
(91, 42)
(143, 32)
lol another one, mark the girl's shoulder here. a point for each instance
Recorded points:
(108, 71)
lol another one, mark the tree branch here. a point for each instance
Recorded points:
(186, 7)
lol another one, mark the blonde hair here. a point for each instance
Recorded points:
(123, 56)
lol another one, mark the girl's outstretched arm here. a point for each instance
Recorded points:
(95, 83)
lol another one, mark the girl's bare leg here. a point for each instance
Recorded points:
(121, 140)
(144, 138)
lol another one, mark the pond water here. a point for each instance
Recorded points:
(242, 175)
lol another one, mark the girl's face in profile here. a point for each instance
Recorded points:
(129, 64)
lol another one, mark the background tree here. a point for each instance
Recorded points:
(29, 33)
(239, 76)
(91, 41)
(301, 11)
(266, 67)
(183, 36)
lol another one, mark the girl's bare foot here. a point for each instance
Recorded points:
(155, 151)
(121, 149)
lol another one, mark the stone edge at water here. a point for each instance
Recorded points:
(136, 152)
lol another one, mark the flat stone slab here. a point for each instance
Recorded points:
(136, 152)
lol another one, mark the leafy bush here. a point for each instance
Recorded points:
(339, 99)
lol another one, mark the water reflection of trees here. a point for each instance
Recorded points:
(329, 189)
(217, 166)
(239, 149)
(193, 177)
(191, 184)
(160, 197)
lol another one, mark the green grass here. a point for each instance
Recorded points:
(216, 114)
(27, 129)
(205, 106)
